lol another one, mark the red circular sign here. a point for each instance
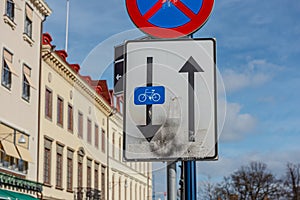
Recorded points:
(189, 17)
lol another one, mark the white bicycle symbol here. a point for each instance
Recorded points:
(151, 95)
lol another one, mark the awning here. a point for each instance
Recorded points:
(4, 194)
(29, 12)
(11, 67)
(10, 195)
(25, 154)
(10, 149)
(29, 80)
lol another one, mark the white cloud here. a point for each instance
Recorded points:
(237, 124)
(276, 162)
(255, 73)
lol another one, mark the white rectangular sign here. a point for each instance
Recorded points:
(170, 100)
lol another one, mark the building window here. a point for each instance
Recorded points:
(120, 148)
(26, 83)
(102, 182)
(70, 118)
(28, 21)
(121, 107)
(125, 189)
(59, 165)
(120, 189)
(136, 191)
(48, 103)
(96, 176)
(89, 174)
(80, 125)
(131, 195)
(113, 188)
(89, 131)
(103, 140)
(113, 144)
(47, 161)
(140, 192)
(79, 172)
(7, 69)
(96, 136)
(70, 170)
(60, 111)
(10, 9)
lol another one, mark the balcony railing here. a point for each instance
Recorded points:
(86, 193)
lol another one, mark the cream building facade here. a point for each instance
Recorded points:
(80, 151)
(20, 37)
(128, 180)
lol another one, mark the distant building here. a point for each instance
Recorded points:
(128, 180)
(80, 151)
(20, 39)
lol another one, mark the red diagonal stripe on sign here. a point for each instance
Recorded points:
(181, 6)
(153, 10)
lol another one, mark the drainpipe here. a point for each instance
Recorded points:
(113, 111)
(107, 155)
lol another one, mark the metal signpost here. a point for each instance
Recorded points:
(170, 87)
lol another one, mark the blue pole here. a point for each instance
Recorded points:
(190, 174)
(193, 180)
(190, 180)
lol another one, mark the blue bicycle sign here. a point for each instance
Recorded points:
(149, 95)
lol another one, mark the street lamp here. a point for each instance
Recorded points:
(14, 148)
(22, 139)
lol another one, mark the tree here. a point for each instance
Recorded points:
(207, 190)
(292, 181)
(255, 181)
(224, 190)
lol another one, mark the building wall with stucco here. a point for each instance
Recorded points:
(117, 180)
(67, 85)
(21, 27)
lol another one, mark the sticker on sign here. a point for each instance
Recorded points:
(149, 95)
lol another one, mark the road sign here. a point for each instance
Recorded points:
(118, 69)
(182, 125)
(169, 18)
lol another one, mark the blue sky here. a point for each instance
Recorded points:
(258, 56)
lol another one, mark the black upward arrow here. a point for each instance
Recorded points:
(149, 130)
(191, 67)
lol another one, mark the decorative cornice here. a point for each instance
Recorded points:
(42, 7)
(62, 68)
